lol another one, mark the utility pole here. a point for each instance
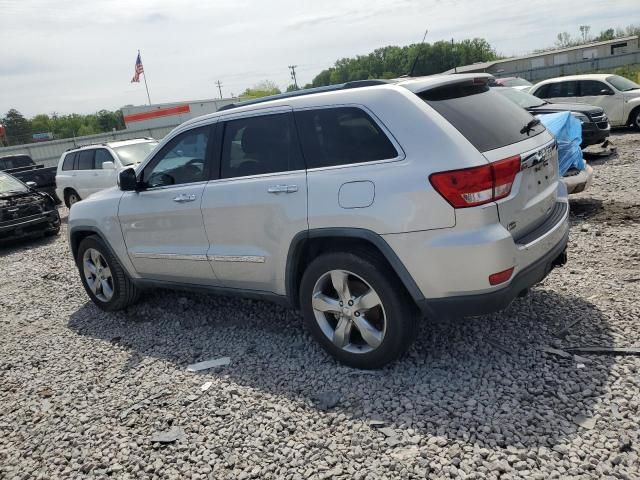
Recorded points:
(293, 75)
(219, 85)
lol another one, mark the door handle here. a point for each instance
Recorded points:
(183, 197)
(283, 189)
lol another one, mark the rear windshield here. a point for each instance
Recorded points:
(485, 118)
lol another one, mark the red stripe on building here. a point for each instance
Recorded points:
(160, 112)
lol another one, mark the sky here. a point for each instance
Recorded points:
(74, 56)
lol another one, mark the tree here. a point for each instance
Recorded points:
(563, 39)
(261, 89)
(18, 128)
(608, 34)
(292, 88)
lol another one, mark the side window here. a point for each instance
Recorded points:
(593, 88)
(341, 136)
(67, 164)
(542, 92)
(568, 89)
(259, 145)
(102, 155)
(181, 161)
(85, 159)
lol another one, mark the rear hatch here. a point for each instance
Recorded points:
(503, 131)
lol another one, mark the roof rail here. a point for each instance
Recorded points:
(86, 145)
(308, 91)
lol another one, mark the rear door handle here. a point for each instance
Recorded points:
(183, 197)
(283, 189)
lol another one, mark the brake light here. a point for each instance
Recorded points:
(470, 187)
(500, 277)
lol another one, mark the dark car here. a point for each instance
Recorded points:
(25, 169)
(24, 211)
(595, 124)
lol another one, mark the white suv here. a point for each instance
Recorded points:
(361, 204)
(86, 170)
(619, 97)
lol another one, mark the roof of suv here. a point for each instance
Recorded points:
(119, 143)
(591, 76)
(413, 84)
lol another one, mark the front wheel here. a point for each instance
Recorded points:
(635, 119)
(353, 309)
(104, 279)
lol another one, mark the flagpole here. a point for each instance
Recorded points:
(145, 82)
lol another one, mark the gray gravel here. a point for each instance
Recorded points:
(85, 393)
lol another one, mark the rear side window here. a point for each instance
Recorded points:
(259, 145)
(68, 161)
(542, 92)
(85, 159)
(487, 119)
(562, 89)
(341, 136)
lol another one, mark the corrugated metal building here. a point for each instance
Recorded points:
(564, 61)
(170, 114)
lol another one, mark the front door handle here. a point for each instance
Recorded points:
(183, 197)
(283, 189)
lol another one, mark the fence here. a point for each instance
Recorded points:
(48, 153)
(575, 68)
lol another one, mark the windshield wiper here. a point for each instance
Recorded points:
(529, 126)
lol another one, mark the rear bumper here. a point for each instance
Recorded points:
(32, 225)
(494, 301)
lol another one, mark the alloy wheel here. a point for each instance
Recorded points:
(97, 274)
(73, 198)
(349, 311)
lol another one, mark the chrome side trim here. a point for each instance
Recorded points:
(169, 256)
(236, 258)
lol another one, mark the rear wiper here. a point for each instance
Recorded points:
(529, 126)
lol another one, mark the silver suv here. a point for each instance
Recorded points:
(362, 204)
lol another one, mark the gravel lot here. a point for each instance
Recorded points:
(83, 392)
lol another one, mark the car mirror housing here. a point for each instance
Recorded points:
(31, 184)
(127, 180)
(108, 165)
(606, 91)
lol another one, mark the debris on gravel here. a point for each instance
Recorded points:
(87, 394)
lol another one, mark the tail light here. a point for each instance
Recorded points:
(470, 187)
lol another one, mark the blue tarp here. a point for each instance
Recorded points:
(568, 132)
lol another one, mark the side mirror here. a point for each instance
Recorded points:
(108, 165)
(127, 180)
(606, 91)
(31, 184)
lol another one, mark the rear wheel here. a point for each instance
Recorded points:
(635, 118)
(352, 307)
(71, 197)
(104, 279)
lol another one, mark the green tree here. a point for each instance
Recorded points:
(292, 88)
(17, 127)
(261, 89)
(41, 123)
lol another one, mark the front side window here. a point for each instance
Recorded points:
(181, 161)
(67, 164)
(259, 145)
(341, 136)
(85, 159)
(593, 88)
(102, 155)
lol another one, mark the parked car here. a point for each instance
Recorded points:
(361, 204)
(25, 169)
(24, 211)
(514, 82)
(619, 97)
(85, 170)
(595, 125)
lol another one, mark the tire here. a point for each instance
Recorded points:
(52, 233)
(390, 325)
(71, 197)
(635, 118)
(123, 291)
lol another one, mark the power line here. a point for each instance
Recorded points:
(219, 85)
(293, 75)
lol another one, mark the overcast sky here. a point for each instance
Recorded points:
(78, 56)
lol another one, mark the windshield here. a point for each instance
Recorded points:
(515, 82)
(525, 100)
(10, 184)
(134, 153)
(621, 83)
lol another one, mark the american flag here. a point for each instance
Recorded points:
(139, 69)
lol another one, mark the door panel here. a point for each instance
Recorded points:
(162, 223)
(102, 178)
(253, 212)
(165, 238)
(611, 104)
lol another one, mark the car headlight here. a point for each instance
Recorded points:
(581, 116)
